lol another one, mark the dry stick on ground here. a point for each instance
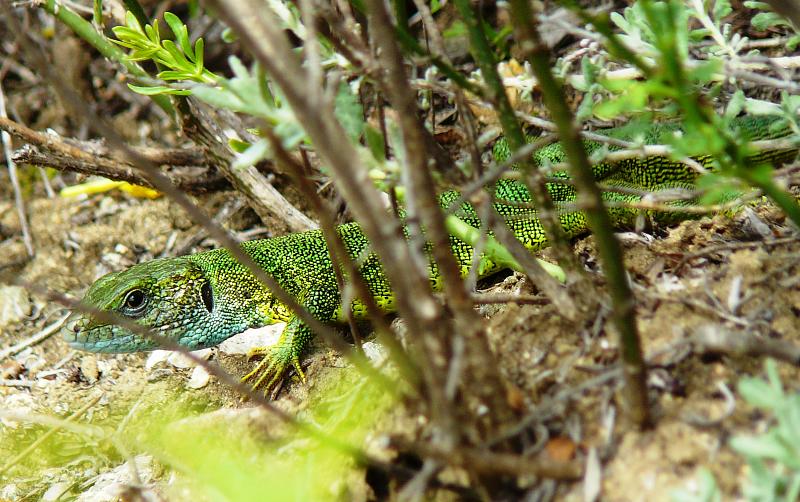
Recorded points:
(202, 182)
(488, 462)
(44, 334)
(265, 200)
(720, 340)
(87, 158)
(622, 298)
(732, 246)
(491, 298)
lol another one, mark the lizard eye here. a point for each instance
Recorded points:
(135, 302)
(208, 297)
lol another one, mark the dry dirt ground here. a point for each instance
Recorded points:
(709, 276)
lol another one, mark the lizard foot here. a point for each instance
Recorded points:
(270, 371)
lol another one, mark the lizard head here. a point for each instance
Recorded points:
(172, 297)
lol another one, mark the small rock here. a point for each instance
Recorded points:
(155, 357)
(56, 490)
(179, 360)
(10, 492)
(199, 378)
(89, 369)
(15, 305)
(375, 352)
(110, 486)
(10, 370)
(20, 402)
(252, 338)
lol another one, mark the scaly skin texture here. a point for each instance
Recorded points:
(202, 299)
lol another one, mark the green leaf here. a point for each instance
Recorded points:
(238, 68)
(152, 33)
(157, 89)
(220, 98)
(180, 31)
(375, 143)
(735, 104)
(176, 58)
(766, 446)
(171, 75)
(765, 20)
(255, 153)
(632, 101)
(349, 112)
(229, 36)
(758, 393)
(132, 23)
(238, 145)
(589, 71)
(619, 20)
(721, 9)
(706, 72)
(717, 189)
(456, 30)
(199, 46)
(124, 33)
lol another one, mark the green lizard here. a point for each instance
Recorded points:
(202, 299)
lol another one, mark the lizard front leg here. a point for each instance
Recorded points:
(321, 302)
(278, 358)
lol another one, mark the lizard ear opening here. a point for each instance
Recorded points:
(208, 297)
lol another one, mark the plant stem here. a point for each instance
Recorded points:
(590, 197)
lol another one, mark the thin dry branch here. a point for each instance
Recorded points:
(12, 174)
(50, 150)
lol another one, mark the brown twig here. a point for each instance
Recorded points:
(33, 340)
(493, 463)
(12, 174)
(491, 298)
(50, 150)
(481, 380)
(202, 182)
(718, 339)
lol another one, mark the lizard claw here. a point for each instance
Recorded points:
(271, 370)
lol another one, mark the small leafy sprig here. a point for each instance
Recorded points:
(769, 19)
(773, 457)
(181, 61)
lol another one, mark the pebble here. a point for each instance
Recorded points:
(15, 305)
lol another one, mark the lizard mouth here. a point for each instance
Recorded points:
(98, 339)
(72, 329)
